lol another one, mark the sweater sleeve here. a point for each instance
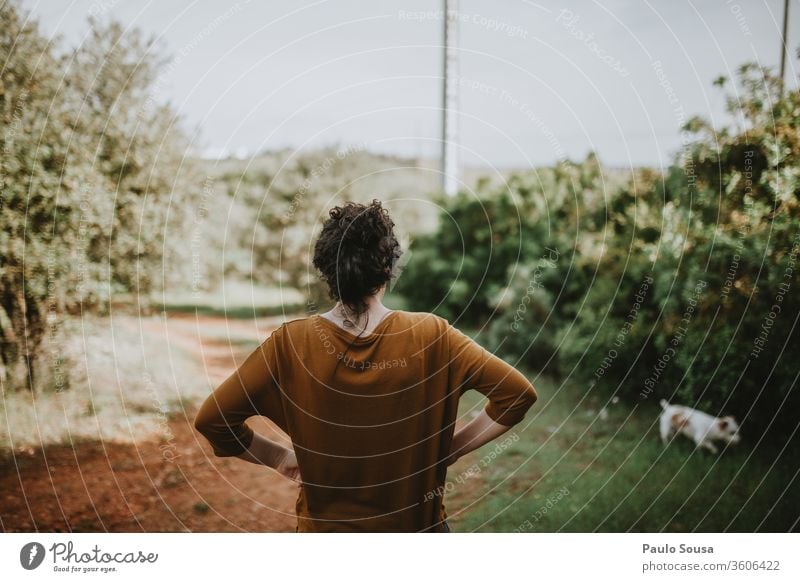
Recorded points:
(251, 390)
(510, 394)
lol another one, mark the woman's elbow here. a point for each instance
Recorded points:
(199, 423)
(527, 399)
(206, 419)
(531, 395)
(208, 425)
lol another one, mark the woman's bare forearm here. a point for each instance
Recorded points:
(265, 452)
(479, 431)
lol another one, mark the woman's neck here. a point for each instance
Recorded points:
(365, 322)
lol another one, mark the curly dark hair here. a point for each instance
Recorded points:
(356, 252)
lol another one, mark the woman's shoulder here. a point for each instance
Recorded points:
(421, 317)
(427, 324)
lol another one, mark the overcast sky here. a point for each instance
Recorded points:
(539, 81)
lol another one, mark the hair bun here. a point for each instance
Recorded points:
(354, 251)
(355, 229)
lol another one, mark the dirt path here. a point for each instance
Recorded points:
(145, 487)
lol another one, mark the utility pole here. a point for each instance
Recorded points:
(784, 48)
(450, 99)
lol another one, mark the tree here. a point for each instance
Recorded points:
(91, 169)
(40, 191)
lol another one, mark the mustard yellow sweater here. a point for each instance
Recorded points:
(371, 418)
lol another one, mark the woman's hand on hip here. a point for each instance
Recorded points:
(287, 466)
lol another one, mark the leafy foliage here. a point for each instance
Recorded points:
(683, 286)
(89, 170)
(277, 202)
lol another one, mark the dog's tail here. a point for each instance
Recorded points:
(663, 403)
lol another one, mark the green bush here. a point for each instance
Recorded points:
(682, 286)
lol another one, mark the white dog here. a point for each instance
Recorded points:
(702, 428)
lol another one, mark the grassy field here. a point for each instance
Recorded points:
(235, 300)
(566, 468)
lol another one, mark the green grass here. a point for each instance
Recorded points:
(571, 471)
(235, 300)
(238, 312)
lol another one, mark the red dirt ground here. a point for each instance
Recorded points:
(135, 488)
